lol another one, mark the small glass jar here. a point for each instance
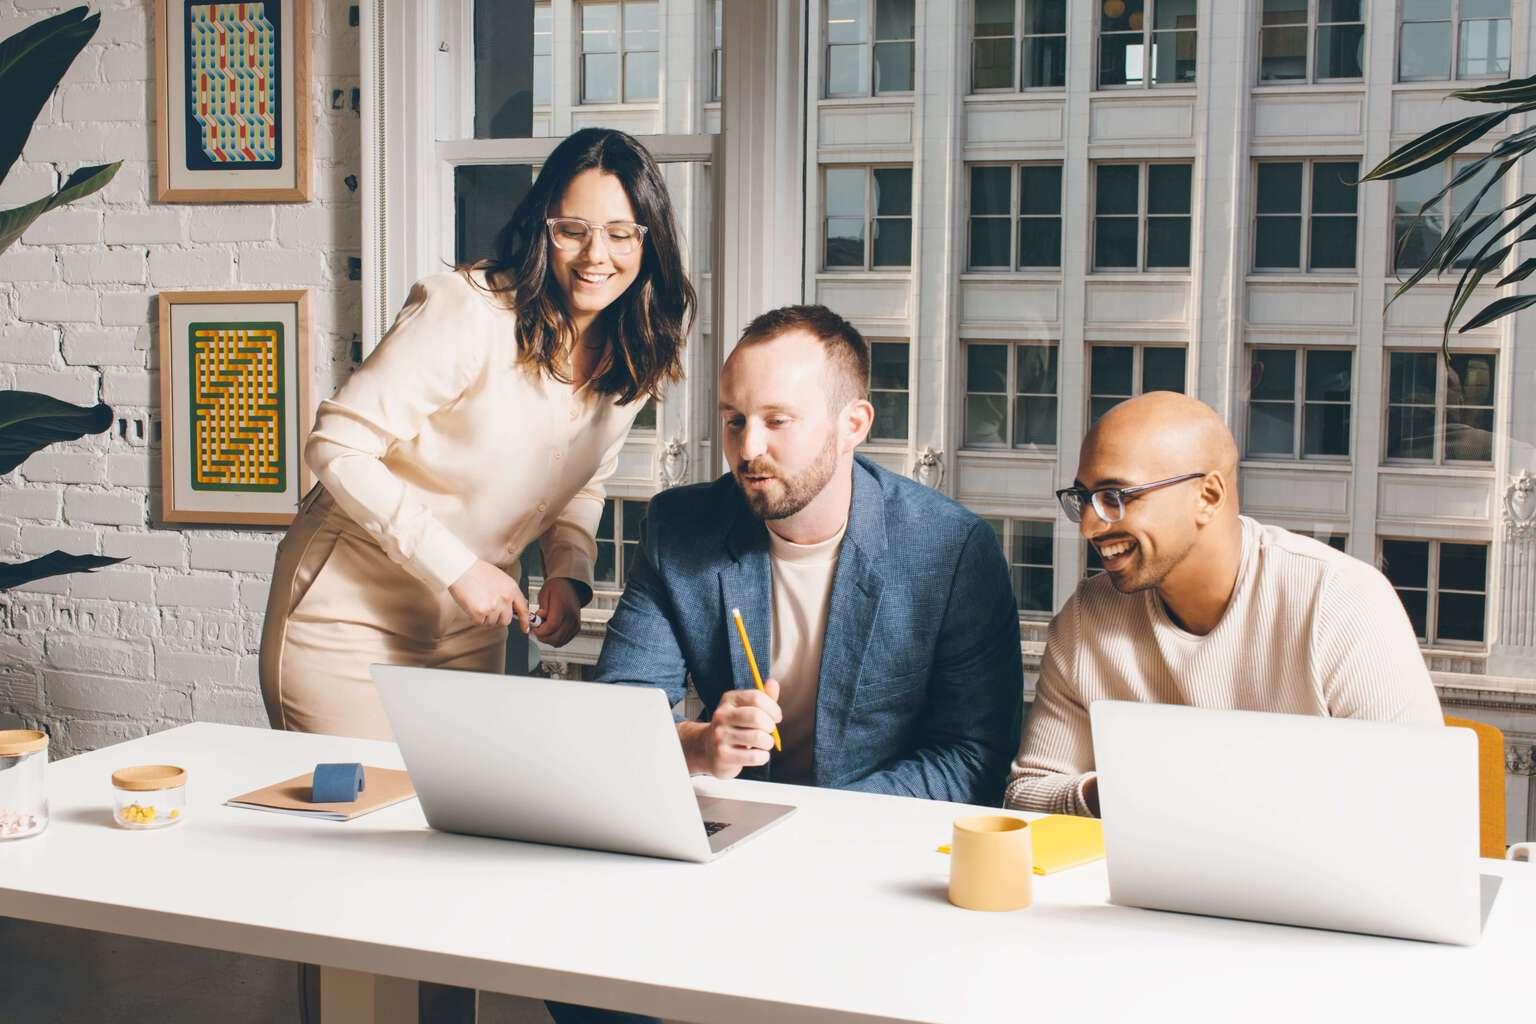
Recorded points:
(23, 795)
(149, 795)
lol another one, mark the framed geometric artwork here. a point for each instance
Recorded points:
(234, 406)
(231, 89)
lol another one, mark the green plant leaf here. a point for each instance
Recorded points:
(1438, 144)
(1520, 273)
(1496, 309)
(30, 422)
(1522, 90)
(14, 222)
(55, 563)
(31, 64)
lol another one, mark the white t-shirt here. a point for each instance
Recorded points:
(802, 584)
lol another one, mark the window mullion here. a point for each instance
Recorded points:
(1432, 595)
(1010, 398)
(1015, 219)
(1441, 386)
(1297, 451)
(1304, 258)
(1143, 173)
(1312, 21)
(869, 218)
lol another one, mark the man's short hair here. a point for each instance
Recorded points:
(847, 351)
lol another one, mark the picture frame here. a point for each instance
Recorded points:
(235, 406)
(257, 157)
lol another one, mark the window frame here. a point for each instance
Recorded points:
(622, 52)
(715, 45)
(1138, 371)
(618, 541)
(1304, 255)
(1005, 541)
(549, 58)
(1011, 396)
(1020, 39)
(1431, 639)
(1299, 404)
(1313, 24)
(1455, 54)
(1014, 217)
(1143, 236)
(877, 440)
(1148, 30)
(866, 46)
(1442, 387)
(870, 218)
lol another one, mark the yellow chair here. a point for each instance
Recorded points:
(1490, 783)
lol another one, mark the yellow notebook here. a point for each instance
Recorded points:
(1065, 841)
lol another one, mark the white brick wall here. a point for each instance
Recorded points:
(171, 635)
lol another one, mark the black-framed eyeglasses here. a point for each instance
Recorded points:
(1109, 502)
(570, 234)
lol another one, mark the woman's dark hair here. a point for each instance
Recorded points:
(649, 323)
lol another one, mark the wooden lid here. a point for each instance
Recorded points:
(21, 741)
(146, 777)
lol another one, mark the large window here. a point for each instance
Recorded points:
(1141, 216)
(1015, 217)
(620, 52)
(1312, 41)
(869, 217)
(1299, 403)
(1118, 372)
(1437, 37)
(852, 68)
(1443, 586)
(1415, 237)
(618, 541)
(1010, 395)
(1305, 207)
(1027, 544)
(1146, 42)
(890, 389)
(716, 53)
(1438, 413)
(1033, 31)
(543, 48)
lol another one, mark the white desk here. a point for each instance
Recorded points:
(837, 914)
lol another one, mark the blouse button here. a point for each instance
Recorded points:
(575, 413)
(543, 507)
(557, 455)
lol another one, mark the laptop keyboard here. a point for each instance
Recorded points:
(711, 827)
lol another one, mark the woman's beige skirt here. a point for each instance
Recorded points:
(337, 605)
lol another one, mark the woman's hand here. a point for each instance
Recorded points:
(490, 597)
(560, 607)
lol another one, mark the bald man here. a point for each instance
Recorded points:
(1199, 605)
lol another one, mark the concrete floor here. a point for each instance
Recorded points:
(53, 975)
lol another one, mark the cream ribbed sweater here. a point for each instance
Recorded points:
(1309, 631)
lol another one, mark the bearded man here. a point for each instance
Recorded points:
(885, 609)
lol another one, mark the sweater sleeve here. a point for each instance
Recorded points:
(427, 360)
(1055, 759)
(1367, 659)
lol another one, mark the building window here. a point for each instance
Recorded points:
(1469, 36)
(851, 68)
(1016, 217)
(716, 53)
(1438, 413)
(1130, 30)
(618, 541)
(1010, 395)
(1041, 45)
(1305, 206)
(869, 217)
(645, 419)
(1118, 372)
(543, 47)
(1141, 216)
(1443, 587)
(890, 389)
(620, 52)
(1290, 28)
(1414, 237)
(1322, 534)
(1029, 548)
(1299, 403)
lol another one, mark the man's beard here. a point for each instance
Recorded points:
(797, 491)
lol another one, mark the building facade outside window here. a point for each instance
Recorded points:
(1015, 217)
(1438, 414)
(868, 222)
(620, 52)
(1118, 372)
(1299, 403)
(618, 541)
(1438, 37)
(1414, 237)
(1011, 395)
(1311, 41)
(1443, 586)
(1305, 207)
(853, 68)
(890, 389)
(1027, 544)
(1018, 44)
(1146, 43)
(1141, 216)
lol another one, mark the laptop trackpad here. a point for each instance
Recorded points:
(728, 822)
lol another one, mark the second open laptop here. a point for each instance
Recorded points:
(590, 765)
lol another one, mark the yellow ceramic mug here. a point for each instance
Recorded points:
(991, 863)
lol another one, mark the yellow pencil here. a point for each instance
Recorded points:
(757, 677)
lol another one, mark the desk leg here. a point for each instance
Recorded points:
(353, 997)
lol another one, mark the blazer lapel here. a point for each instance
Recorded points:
(746, 584)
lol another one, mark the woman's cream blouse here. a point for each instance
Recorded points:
(444, 450)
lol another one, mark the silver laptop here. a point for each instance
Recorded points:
(1324, 822)
(547, 761)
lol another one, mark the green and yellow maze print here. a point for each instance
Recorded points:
(238, 398)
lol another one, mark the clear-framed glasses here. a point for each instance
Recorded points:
(570, 234)
(1109, 502)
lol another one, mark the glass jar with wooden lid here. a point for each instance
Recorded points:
(23, 793)
(149, 795)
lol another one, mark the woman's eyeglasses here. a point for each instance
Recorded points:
(1109, 502)
(570, 234)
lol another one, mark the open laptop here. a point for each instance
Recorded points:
(547, 761)
(1324, 822)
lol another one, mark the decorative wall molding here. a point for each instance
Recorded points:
(928, 468)
(672, 463)
(1520, 507)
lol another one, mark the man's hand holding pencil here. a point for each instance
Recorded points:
(739, 733)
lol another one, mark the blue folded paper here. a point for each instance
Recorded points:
(336, 783)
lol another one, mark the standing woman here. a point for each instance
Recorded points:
(490, 415)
